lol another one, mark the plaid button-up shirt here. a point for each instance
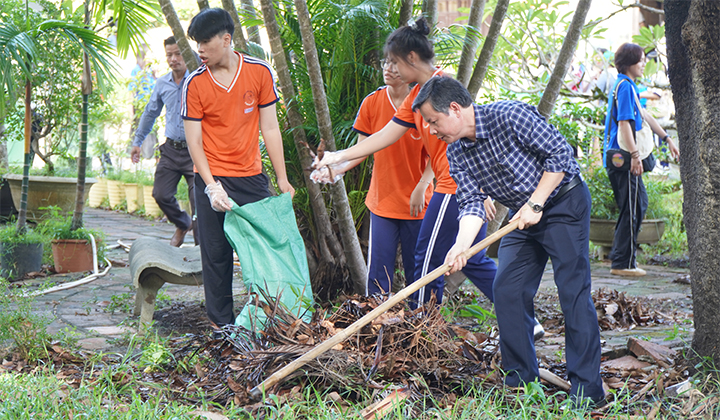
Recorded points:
(514, 145)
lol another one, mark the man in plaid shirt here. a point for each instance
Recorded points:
(508, 151)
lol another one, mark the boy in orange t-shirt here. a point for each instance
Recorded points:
(224, 103)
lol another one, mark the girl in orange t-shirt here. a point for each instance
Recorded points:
(399, 192)
(411, 54)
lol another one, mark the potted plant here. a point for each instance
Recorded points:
(72, 249)
(20, 252)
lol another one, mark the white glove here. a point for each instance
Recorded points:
(329, 174)
(219, 200)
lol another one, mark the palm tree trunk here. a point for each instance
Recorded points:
(483, 61)
(329, 246)
(430, 11)
(406, 12)
(22, 211)
(173, 21)
(547, 102)
(471, 41)
(86, 86)
(252, 30)
(238, 37)
(77, 221)
(203, 4)
(348, 233)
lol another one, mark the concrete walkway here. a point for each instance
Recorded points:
(84, 308)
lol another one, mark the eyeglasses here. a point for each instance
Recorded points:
(385, 63)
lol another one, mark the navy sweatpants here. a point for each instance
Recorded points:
(385, 233)
(437, 235)
(562, 235)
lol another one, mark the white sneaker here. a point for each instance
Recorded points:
(538, 330)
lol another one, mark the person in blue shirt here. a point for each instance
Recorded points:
(507, 150)
(175, 161)
(625, 116)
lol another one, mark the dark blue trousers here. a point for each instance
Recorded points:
(632, 201)
(437, 235)
(562, 235)
(216, 252)
(385, 233)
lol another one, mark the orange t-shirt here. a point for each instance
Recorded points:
(397, 168)
(437, 148)
(230, 115)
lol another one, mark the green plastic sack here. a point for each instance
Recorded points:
(272, 255)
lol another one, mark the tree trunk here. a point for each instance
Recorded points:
(406, 12)
(77, 220)
(348, 234)
(173, 21)
(253, 31)
(564, 60)
(22, 211)
(472, 37)
(238, 37)
(430, 11)
(203, 4)
(329, 247)
(478, 74)
(694, 70)
(483, 61)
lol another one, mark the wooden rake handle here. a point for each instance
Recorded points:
(257, 392)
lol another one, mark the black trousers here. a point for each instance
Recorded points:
(632, 200)
(215, 250)
(562, 235)
(173, 165)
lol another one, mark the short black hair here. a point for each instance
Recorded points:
(209, 23)
(441, 91)
(627, 56)
(169, 41)
(410, 38)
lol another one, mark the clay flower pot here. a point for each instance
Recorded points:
(72, 255)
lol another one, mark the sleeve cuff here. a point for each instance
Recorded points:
(403, 123)
(191, 119)
(268, 104)
(361, 132)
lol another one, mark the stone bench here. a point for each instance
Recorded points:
(153, 263)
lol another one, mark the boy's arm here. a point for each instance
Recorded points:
(273, 144)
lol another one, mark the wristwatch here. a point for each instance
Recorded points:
(536, 207)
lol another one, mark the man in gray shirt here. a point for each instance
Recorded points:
(175, 161)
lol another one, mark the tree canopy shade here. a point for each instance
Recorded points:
(693, 36)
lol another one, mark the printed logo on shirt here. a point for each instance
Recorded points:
(425, 125)
(415, 135)
(249, 98)
(249, 110)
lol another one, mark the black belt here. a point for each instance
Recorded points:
(574, 182)
(177, 144)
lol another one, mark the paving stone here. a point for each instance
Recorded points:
(111, 330)
(93, 343)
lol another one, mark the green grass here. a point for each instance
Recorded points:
(43, 396)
